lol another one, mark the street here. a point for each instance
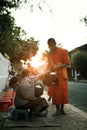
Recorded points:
(78, 95)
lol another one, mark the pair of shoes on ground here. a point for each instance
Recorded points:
(58, 113)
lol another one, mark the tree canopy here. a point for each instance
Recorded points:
(11, 41)
(80, 63)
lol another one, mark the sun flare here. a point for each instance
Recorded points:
(38, 63)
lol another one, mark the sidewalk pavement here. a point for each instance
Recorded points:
(75, 119)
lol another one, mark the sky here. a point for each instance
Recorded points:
(59, 19)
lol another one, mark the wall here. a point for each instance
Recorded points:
(4, 71)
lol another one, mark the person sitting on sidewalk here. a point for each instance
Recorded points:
(25, 94)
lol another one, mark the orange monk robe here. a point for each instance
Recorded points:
(59, 93)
